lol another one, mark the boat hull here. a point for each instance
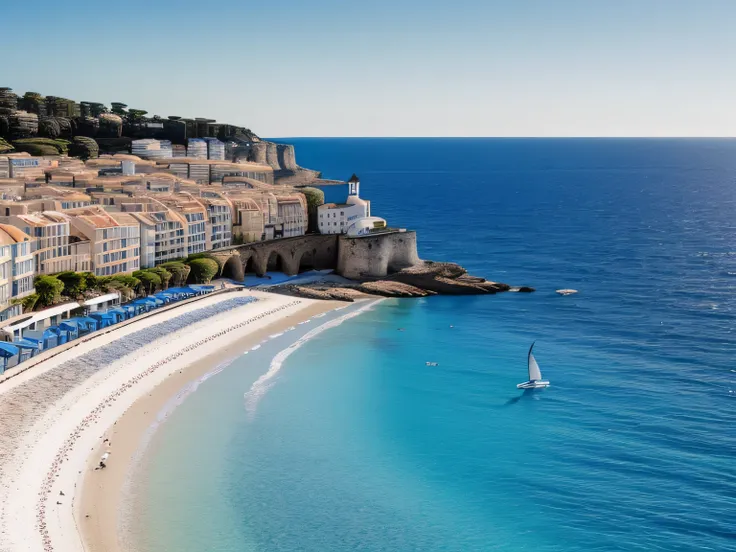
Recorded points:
(533, 384)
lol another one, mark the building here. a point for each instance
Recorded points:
(291, 215)
(336, 218)
(220, 221)
(196, 148)
(22, 165)
(195, 215)
(23, 266)
(215, 149)
(6, 275)
(163, 231)
(49, 232)
(152, 149)
(114, 239)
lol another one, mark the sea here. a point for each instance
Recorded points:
(353, 443)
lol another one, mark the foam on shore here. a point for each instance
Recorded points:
(263, 384)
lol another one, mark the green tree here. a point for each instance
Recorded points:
(137, 114)
(48, 290)
(74, 283)
(179, 272)
(204, 256)
(126, 293)
(315, 197)
(90, 280)
(162, 273)
(127, 280)
(149, 281)
(202, 270)
(28, 302)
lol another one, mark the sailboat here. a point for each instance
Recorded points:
(535, 375)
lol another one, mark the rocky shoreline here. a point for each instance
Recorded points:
(421, 280)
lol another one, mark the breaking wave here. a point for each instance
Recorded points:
(264, 383)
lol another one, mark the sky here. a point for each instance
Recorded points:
(291, 68)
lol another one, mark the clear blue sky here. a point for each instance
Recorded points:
(391, 67)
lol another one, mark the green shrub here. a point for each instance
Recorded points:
(194, 256)
(162, 273)
(149, 281)
(84, 147)
(37, 150)
(315, 198)
(179, 272)
(60, 146)
(75, 283)
(48, 289)
(5, 147)
(126, 292)
(202, 270)
(90, 280)
(127, 280)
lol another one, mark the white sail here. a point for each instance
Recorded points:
(534, 372)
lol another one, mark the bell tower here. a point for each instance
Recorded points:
(354, 186)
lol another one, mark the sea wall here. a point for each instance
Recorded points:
(376, 256)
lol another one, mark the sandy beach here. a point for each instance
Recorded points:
(60, 417)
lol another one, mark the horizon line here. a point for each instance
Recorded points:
(500, 137)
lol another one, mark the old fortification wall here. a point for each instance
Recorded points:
(286, 157)
(376, 256)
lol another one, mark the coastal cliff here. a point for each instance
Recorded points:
(282, 159)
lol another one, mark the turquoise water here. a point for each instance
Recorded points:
(356, 444)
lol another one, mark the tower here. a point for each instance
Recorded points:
(354, 186)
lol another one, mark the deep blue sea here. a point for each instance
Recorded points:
(358, 445)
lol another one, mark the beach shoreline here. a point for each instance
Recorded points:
(102, 491)
(49, 484)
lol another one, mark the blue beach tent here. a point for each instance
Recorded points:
(50, 338)
(140, 305)
(28, 348)
(103, 319)
(119, 314)
(164, 297)
(61, 334)
(183, 291)
(70, 329)
(8, 351)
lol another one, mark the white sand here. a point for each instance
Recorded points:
(50, 422)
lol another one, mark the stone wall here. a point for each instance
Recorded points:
(288, 255)
(376, 256)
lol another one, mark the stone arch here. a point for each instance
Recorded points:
(233, 269)
(249, 264)
(308, 260)
(276, 262)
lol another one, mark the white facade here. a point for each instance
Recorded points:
(196, 147)
(336, 218)
(152, 149)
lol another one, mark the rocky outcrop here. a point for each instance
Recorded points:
(387, 288)
(446, 279)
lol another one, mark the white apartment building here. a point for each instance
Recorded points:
(336, 218)
(23, 269)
